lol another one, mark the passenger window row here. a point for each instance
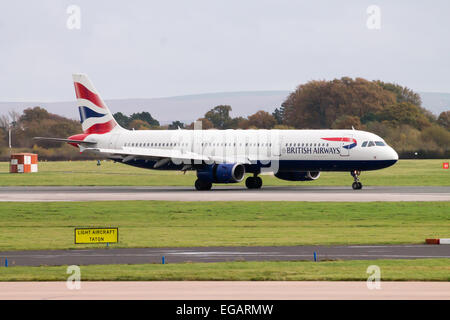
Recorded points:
(160, 144)
(185, 144)
(234, 144)
(306, 144)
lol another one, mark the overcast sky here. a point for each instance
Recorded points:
(144, 49)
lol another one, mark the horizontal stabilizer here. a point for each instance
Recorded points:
(65, 140)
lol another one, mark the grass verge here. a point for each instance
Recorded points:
(391, 270)
(27, 226)
(87, 173)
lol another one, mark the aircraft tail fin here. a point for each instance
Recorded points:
(94, 113)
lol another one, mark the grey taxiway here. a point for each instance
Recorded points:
(226, 193)
(221, 254)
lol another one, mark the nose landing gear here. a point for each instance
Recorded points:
(356, 185)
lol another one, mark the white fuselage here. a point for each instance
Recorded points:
(326, 150)
(225, 156)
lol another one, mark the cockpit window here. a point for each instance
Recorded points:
(380, 143)
(364, 144)
(371, 144)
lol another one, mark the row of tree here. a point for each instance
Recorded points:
(38, 122)
(217, 118)
(137, 121)
(389, 110)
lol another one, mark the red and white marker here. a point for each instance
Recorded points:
(437, 241)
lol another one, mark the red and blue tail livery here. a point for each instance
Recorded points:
(95, 116)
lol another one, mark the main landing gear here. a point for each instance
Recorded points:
(356, 185)
(202, 185)
(254, 182)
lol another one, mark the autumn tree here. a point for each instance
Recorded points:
(175, 125)
(138, 124)
(278, 115)
(346, 122)
(404, 112)
(317, 104)
(38, 122)
(219, 116)
(4, 127)
(146, 117)
(439, 135)
(3, 138)
(444, 119)
(121, 119)
(206, 124)
(402, 94)
(130, 122)
(262, 120)
(242, 123)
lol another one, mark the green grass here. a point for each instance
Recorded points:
(87, 173)
(391, 270)
(26, 226)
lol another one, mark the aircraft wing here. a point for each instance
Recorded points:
(231, 159)
(139, 153)
(128, 154)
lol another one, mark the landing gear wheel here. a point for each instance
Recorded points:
(259, 182)
(250, 182)
(356, 185)
(253, 183)
(201, 185)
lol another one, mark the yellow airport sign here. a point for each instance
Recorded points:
(96, 235)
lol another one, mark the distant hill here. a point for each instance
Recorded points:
(436, 102)
(191, 107)
(183, 108)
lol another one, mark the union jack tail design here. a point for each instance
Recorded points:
(94, 114)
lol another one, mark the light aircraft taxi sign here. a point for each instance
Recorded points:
(96, 235)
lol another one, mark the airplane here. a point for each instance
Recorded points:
(226, 156)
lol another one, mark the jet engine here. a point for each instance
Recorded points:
(222, 173)
(298, 176)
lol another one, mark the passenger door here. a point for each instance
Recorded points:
(345, 145)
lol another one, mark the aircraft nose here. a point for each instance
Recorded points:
(394, 154)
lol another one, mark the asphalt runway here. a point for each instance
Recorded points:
(220, 254)
(225, 290)
(226, 193)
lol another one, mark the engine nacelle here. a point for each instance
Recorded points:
(298, 176)
(223, 173)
